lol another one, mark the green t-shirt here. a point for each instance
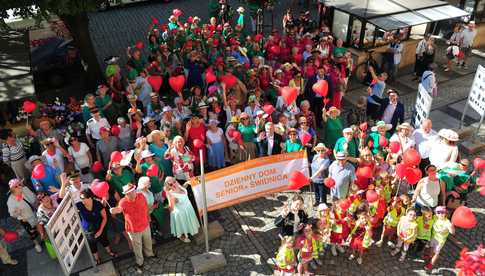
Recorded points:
(248, 132)
(292, 147)
(156, 184)
(118, 181)
(352, 149)
(424, 228)
(374, 137)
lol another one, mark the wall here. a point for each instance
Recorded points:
(479, 41)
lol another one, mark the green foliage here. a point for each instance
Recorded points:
(40, 9)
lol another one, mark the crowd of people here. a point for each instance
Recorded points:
(210, 90)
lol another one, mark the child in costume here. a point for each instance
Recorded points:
(323, 230)
(377, 209)
(425, 225)
(391, 220)
(360, 238)
(407, 230)
(285, 258)
(307, 245)
(340, 228)
(442, 227)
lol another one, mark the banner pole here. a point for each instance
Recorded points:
(204, 200)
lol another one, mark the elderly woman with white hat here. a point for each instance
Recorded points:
(216, 143)
(319, 165)
(379, 132)
(347, 145)
(445, 150)
(248, 133)
(148, 165)
(22, 204)
(333, 125)
(404, 136)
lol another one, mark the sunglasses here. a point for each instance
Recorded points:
(244, 119)
(302, 123)
(441, 212)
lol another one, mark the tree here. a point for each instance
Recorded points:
(74, 13)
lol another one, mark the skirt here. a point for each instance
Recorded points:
(216, 155)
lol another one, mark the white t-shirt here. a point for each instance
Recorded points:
(80, 157)
(424, 141)
(58, 156)
(215, 137)
(429, 193)
(93, 126)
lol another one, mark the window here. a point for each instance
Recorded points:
(369, 35)
(355, 36)
(480, 12)
(340, 24)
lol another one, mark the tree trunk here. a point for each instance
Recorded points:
(78, 25)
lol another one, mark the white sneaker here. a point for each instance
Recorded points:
(403, 257)
(351, 257)
(12, 262)
(390, 244)
(359, 260)
(340, 249)
(379, 243)
(334, 250)
(186, 240)
(38, 248)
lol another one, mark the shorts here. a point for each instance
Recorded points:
(436, 246)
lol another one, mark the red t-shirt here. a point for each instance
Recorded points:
(136, 213)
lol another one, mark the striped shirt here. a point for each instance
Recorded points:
(12, 153)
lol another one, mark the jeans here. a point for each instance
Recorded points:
(321, 192)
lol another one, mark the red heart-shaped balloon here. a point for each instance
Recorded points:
(268, 109)
(306, 138)
(364, 172)
(177, 83)
(371, 196)
(275, 49)
(100, 188)
(198, 144)
(413, 175)
(210, 76)
(326, 101)
(297, 180)
(258, 37)
(229, 79)
(411, 157)
(38, 172)
(401, 169)
(394, 147)
(155, 82)
(177, 12)
(10, 236)
(116, 156)
(289, 94)
(139, 45)
(329, 182)
(97, 167)
(464, 218)
(29, 106)
(344, 204)
(321, 88)
(155, 21)
(383, 141)
(115, 130)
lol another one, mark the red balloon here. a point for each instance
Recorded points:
(275, 49)
(115, 130)
(411, 157)
(10, 236)
(155, 82)
(100, 188)
(413, 175)
(329, 182)
(289, 94)
(230, 132)
(177, 12)
(155, 21)
(482, 190)
(344, 204)
(29, 106)
(326, 101)
(209, 76)
(198, 144)
(394, 146)
(97, 167)
(177, 83)
(38, 172)
(229, 80)
(139, 45)
(371, 196)
(258, 37)
(321, 88)
(383, 142)
(297, 180)
(364, 172)
(481, 180)
(152, 170)
(364, 126)
(306, 138)
(401, 169)
(116, 156)
(479, 163)
(464, 218)
(268, 108)
(362, 182)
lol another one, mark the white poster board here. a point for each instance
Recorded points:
(476, 98)
(66, 234)
(422, 106)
